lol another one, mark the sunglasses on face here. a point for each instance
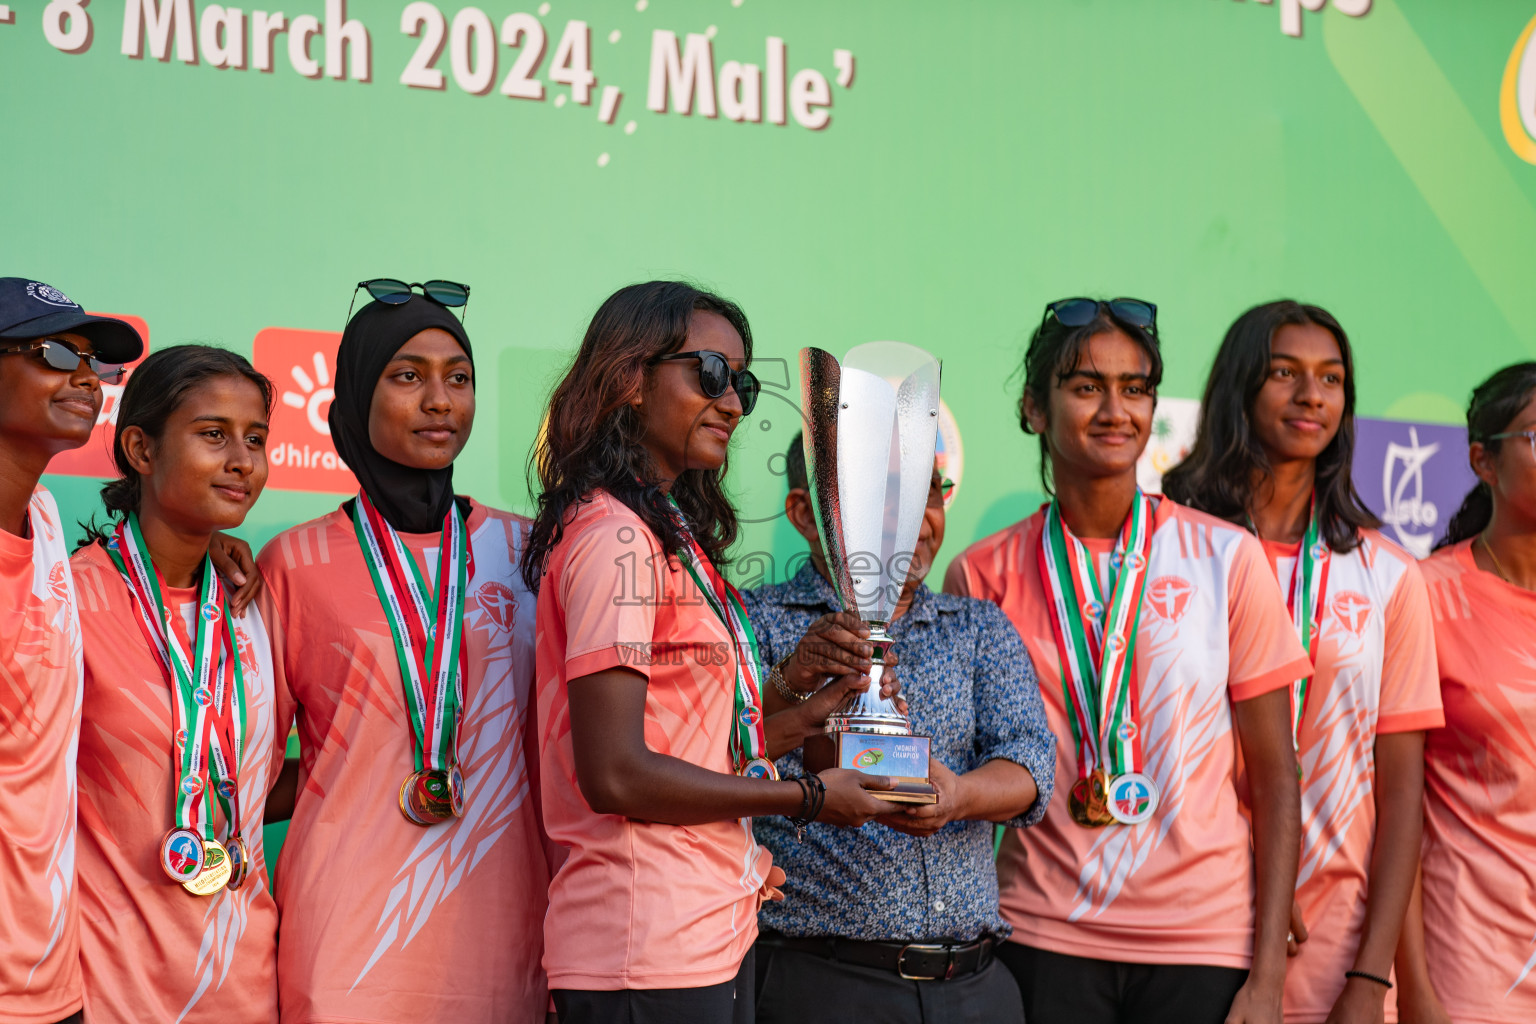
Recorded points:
(397, 293)
(715, 375)
(1081, 312)
(64, 357)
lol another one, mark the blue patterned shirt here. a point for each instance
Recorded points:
(970, 686)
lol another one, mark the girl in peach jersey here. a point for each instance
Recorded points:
(412, 882)
(1273, 453)
(1468, 956)
(53, 359)
(177, 739)
(1164, 651)
(654, 745)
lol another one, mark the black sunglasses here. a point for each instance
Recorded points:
(715, 375)
(1081, 312)
(397, 293)
(63, 356)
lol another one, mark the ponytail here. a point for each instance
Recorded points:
(1495, 404)
(1471, 519)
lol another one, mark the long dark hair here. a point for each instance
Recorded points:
(1495, 404)
(1223, 469)
(155, 390)
(1052, 355)
(591, 438)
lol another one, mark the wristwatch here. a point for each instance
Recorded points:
(776, 677)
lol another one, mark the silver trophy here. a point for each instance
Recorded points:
(871, 426)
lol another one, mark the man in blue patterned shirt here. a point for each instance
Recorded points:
(897, 921)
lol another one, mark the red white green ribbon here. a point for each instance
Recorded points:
(749, 738)
(1097, 642)
(431, 660)
(1306, 602)
(208, 697)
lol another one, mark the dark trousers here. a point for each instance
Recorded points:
(75, 1018)
(796, 987)
(729, 1002)
(1061, 989)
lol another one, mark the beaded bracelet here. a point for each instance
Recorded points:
(1378, 979)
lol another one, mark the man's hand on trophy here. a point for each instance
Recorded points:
(926, 819)
(848, 800)
(835, 645)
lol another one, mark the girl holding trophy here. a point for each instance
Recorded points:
(1273, 454)
(1146, 893)
(655, 748)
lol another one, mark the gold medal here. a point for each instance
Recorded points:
(425, 798)
(216, 870)
(1087, 800)
(239, 862)
(181, 854)
(759, 768)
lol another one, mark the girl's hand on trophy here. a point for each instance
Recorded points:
(835, 645)
(925, 819)
(849, 801)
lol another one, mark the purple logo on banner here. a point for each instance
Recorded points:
(1413, 476)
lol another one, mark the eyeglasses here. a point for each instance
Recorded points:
(1081, 312)
(1529, 435)
(61, 355)
(940, 491)
(397, 293)
(715, 375)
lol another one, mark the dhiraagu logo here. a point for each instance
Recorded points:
(1517, 96)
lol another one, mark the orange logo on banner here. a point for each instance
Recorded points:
(302, 365)
(94, 458)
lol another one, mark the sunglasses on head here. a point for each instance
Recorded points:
(715, 375)
(396, 293)
(64, 357)
(1081, 312)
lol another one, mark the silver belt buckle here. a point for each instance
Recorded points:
(949, 964)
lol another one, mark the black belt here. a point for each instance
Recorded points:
(915, 961)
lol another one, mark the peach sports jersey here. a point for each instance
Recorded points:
(1374, 675)
(383, 920)
(149, 949)
(1178, 888)
(39, 730)
(1479, 861)
(637, 904)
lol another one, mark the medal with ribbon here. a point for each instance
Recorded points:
(1096, 643)
(1309, 589)
(208, 703)
(431, 659)
(749, 738)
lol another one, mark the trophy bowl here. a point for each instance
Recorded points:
(871, 426)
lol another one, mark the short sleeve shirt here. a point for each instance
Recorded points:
(384, 921)
(1479, 862)
(149, 950)
(40, 676)
(1178, 888)
(1374, 675)
(638, 904)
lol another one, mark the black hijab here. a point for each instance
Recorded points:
(410, 500)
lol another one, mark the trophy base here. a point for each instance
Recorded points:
(903, 759)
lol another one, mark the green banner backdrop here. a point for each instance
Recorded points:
(930, 173)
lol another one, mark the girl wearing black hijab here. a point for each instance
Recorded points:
(412, 885)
